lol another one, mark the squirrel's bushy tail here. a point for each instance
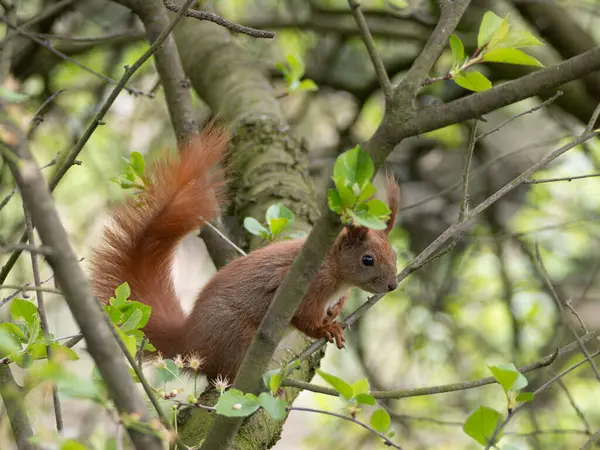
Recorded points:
(182, 191)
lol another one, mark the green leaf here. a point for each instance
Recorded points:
(63, 353)
(354, 166)
(132, 321)
(518, 39)
(296, 67)
(505, 377)
(511, 56)
(489, 24)
(334, 201)
(14, 330)
(168, 373)
(278, 225)
(137, 163)
(366, 219)
(338, 384)
(129, 342)
(380, 420)
(122, 292)
(279, 211)
(365, 399)
(234, 403)
(113, 313)
(379, 209)
(144, 310)
(361, 386)
(267, 377)
(500, 34)
(23, 310)
(308, 85)
(274, 406)
(473, 81)
(8, 343)
(71, 444)
(520, 382)
(525, 397)
(458, 48)
(368, 191)
(346, 195)
(254, 227)
(482, 423)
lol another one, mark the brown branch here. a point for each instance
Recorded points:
(168, 65)
(561, 310)
(451, 13)
(386, 440)
(210, 17)
(35, 268)
(452, 387)
(384, 81)
(14, 402)
(65, 57)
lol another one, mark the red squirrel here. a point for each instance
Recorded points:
(182, 192)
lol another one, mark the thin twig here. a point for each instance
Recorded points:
(35, 267)
(225, 238)
(210, 17)
(561, 310)
(444, 388)
(65, 57)
(529, 111)
(144, 382)
(350, 419)
(553, 180)
(25, 247)
(384, 80)
(37, 116)
(576, 408)
(26, 288)
(93, 39)
(51, 11)
(464, 198)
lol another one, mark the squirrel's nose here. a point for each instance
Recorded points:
(393, 285)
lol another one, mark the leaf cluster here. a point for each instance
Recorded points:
(482, 423)
(293, 71)
(497, 42)
(278, 219)
(353, 195)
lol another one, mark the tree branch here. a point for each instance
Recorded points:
(210, 17)
(384, 81)
(168, 64)
(452, 387)
(13, 400)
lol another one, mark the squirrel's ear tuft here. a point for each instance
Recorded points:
(393, 194)
(355, 235)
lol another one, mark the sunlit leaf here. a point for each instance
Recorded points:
(482, 423)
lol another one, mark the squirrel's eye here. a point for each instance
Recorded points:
(368, 260)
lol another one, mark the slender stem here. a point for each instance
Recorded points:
(35, 267)
(350, 419)
(464, 198)
(384, 81)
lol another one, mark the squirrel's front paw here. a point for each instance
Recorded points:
(334, 331)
